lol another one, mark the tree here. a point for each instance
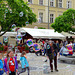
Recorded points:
(65, 22)
(41, 28)
(15, 12)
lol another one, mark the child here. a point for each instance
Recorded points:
(10, 63)
(1, 65)
(24, 62)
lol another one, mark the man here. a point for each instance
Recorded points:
(57, 44)
(41, 44)
(66, 42)
(45, 44)
(52, 55)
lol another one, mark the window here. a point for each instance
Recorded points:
(41, 2)
(60, 3)
(41, 17)
(52, 3)
(68, 4)
(51, 18)
(30, 1)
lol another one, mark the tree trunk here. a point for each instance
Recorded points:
(1, 30)
(5, 30)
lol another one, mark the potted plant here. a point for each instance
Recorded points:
(26, 49)
(1, 49)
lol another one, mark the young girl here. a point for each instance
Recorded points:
(24, 62)
(10, 63)
(1, 65)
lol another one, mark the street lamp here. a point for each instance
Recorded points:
(48, 14)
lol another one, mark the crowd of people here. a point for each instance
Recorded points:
(49, 48)
(60, 45)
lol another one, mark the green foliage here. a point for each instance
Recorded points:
(26, 47)
(1, 48)
(65, 21)
(41, 28)
(14, 7)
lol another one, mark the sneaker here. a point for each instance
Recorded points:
(46, 60)
(51, 70)
(56, 70)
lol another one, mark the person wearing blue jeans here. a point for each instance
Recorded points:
(1, 65)
(45, 45)
(44, 52)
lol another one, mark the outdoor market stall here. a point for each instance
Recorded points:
(41, 33)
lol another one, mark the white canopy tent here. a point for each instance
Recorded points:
(10, 34)
(42, 33)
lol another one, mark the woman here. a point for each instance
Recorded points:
(10, 63)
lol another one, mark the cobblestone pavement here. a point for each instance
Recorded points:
(39, 67)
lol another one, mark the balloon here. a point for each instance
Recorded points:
(6, 39)
(42, 50)
(13, 25)
(27, 23)
(29, 42)
(48, 46)
(21, 14)
(36, 47)
(19, 37)
(6, 11)
(69, 47)
(18, 41)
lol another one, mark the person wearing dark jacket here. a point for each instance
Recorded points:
(52, 55)
(57, 44)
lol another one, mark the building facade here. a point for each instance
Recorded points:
(56, 8)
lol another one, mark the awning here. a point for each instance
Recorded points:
(10, 34)
(66, 34)
(42, 33)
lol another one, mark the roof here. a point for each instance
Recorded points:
(10, 34)
(68, 34)
(42, 33)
